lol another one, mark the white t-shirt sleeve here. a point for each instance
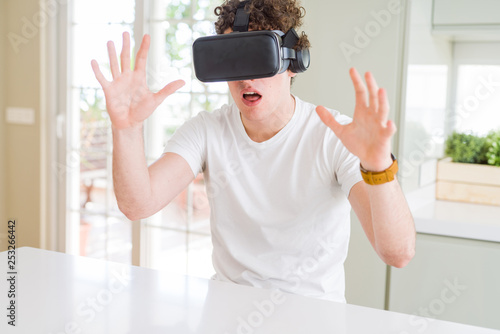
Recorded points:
(345, 164)
(189, 141)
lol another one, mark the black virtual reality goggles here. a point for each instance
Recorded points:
(245, 55)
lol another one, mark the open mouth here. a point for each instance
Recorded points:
(252, 96)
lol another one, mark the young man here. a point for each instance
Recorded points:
(281, 174)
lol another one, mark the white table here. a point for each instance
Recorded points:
(59, 293)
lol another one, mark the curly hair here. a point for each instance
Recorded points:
(264, 15)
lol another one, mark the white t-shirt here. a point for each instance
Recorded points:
(280, 217)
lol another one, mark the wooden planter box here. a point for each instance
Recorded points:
(470, 183)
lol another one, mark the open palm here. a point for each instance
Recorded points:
(128, 99)
(369, 134)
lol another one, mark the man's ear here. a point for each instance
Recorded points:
(291, 74)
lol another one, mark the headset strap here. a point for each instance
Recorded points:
(290, 39)
(289, 53)
(242, 18)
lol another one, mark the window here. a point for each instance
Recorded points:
(477, 105)
(99, 227)
(178, 237)
(476, 102)
(426, 101)
(462, 95)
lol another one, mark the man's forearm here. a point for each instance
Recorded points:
(130, 172)
(392, 222)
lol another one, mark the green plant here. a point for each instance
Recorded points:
(493, 143)
(467, 148)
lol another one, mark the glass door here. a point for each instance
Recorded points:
(178, 237)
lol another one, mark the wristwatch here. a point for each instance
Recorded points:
(382, 177)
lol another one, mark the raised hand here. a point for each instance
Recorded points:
(369, 134)
(128, 99)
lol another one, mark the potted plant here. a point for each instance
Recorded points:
(471, 171)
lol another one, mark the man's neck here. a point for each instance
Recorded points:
(260, 131)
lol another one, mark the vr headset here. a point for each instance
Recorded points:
(245, 55)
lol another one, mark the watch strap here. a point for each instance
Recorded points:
(375, 178)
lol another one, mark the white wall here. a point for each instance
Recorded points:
(3, 138)
(22, 155)
(330, 26)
